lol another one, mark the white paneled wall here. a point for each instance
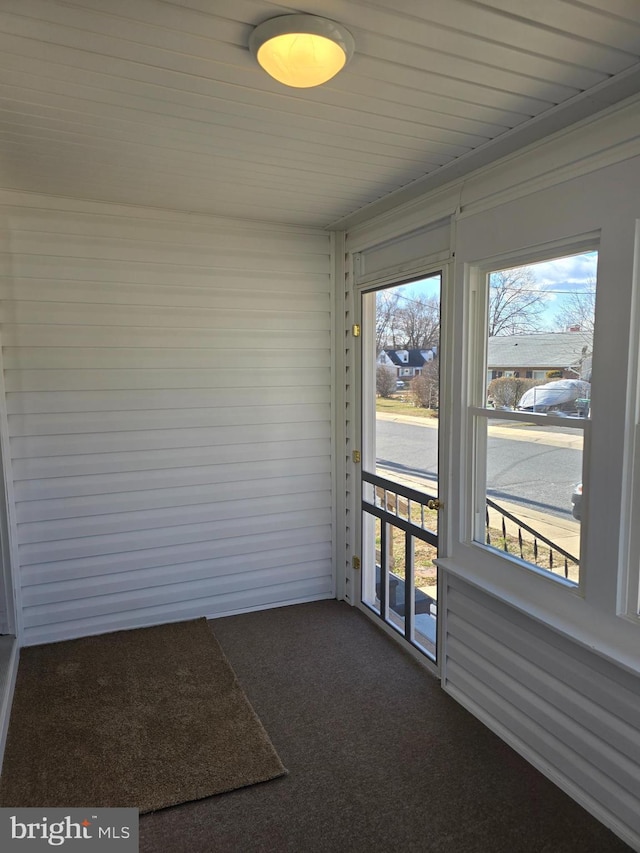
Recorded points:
(168, 412)
(568, 711)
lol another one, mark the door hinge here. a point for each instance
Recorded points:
(355, 562)
(356, 456)
(355, 330)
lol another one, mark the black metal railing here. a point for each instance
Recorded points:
(406, 511)
(545, 553)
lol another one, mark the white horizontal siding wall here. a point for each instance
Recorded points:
(168, 409)
(568, 711)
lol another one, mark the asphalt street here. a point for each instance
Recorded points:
(534, 473)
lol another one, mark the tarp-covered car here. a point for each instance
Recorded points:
(560, 394)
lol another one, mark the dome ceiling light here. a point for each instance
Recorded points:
(301, 50)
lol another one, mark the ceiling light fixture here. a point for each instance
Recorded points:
(301, 50)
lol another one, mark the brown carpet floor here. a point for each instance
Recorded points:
(146, 718)
(380, 759)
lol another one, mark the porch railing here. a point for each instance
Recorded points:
(510, 533)
(545, 553)
(410, 514)
(403, 511)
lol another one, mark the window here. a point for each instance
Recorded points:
(528, 446)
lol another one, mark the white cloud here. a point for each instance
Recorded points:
(572, 273)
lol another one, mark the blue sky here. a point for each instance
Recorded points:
(561, 277)
(556, 280)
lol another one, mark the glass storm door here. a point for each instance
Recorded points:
(400, 399)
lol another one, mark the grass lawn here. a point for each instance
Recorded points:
(400, 405)
(425, 573)
(527, 552)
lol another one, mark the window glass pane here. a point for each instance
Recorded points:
(405, 439)
(540, 321)
(533, 499)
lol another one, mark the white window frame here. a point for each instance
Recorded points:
(630, 605)
(629, 597)
(575, 610)
(479, 413)
(595, 614)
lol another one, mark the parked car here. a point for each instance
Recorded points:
(399, 383)
(576, 500)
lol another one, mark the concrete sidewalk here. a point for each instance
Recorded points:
(516, 432)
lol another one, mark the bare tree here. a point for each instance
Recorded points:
(425, 388)
(577, 314)
(578, 310)
(385, 381)
(386, 310)
(515, 302)
(507, 390)
(417, 322)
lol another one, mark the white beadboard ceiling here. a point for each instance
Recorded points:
(161, 104)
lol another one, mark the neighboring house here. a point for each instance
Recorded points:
(407, 362)
(566, 355)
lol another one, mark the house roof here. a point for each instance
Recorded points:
(544, 350)
(161, 104)
(416, 358)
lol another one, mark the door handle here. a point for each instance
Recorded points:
(435, 504)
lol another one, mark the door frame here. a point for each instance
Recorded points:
(9, 579)
(364, 381)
